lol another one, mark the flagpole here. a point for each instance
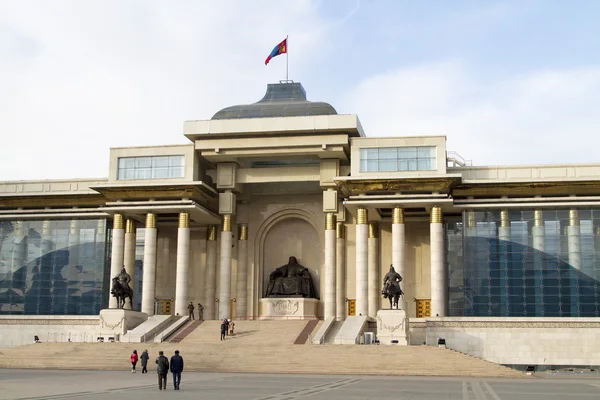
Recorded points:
(287, 58)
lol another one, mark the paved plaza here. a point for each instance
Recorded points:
(101, 385)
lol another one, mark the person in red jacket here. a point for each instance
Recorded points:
(134, 360)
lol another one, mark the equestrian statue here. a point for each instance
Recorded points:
(391, 287)
(121, 289)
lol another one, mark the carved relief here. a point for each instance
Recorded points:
(388, 328)
(48, 322)
(285, 307)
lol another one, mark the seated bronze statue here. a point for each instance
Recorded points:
(291, 280)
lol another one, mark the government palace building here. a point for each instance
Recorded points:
(497, 261)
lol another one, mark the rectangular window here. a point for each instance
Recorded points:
(152, 167)
(390, 159)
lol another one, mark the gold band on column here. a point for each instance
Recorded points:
(226, 223)
(340, 230)
(436, 215)
(362, 216)
(538, 218)
(243, 232)
(573, 217)
(129, 225)
(373, 230)
(150, 220)
(211, 232)
(504, 219)
(470, 219)
(329, 221)
(118, 221)
(184, 220)
(397, 215)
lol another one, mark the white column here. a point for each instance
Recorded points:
(183, 263)
(149, 268)
(539, 244)
(129, 256)
(211, 273)
(330, 266)
(225, 269)
(362, 288)
(574, 240)
(19, 254)
(505, 239)
(116, 259)
(340, 273)
(373, 266)
(438, 268)
(398, 241)
(241, 306)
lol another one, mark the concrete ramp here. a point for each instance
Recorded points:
(350, 331)
(148, 329)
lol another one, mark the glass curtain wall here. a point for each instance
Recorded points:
(52, 267)
(524, 263)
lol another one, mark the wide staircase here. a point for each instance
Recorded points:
(259, 346)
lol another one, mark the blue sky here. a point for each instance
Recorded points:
(514, 82)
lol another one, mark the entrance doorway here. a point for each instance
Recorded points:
(351, 307)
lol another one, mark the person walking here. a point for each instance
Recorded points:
(231, 327)
(223, 329)
(162, 369)
(191, 310)
(144, 358)
(176, 369)
(134, 360)
(200, 312)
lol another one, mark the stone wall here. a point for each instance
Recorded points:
(18, 330)
(521, 341)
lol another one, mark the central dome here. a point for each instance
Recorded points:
(281, 100)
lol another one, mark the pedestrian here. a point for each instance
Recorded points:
(226, 327)
(191, 310)
(134, 360)
(144, 358)
(200, 312)
(162, 369)
(223, 329)
(176, 369)
(231, 327)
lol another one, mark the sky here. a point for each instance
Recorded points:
(507, 82)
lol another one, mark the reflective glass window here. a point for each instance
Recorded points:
(398, 159)
(151, 167)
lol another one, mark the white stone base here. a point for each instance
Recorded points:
(120, 321)
(392, 325)
(288, 308)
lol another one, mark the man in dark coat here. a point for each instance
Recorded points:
(144, 359)
(191, 310)
(176, 369)
(224, 326)
(162, 369)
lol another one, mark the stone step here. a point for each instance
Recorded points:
(185, 331)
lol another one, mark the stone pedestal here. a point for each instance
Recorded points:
(288, 308)
(392, 325)
(120, 321)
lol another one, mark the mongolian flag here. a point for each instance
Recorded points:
(281, 48)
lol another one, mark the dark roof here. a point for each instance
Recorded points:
(281, 100)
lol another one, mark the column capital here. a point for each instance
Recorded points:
(538, 218)
(362, 216)
(118, 221)
(150, 220)
(436, 215)
(226, 227)
(211, 233)
(130, 225)
(373, 230)
(330, 221)
(573, 217)
(184, 220)
(243, 232)
(504, 219)
(340, 230)
(398, 215)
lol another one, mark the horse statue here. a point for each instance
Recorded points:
(391, 287)
(121, 289)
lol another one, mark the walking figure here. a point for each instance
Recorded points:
(191, 310)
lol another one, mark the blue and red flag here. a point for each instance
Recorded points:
(281, 48)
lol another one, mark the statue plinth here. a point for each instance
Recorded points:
(392, 327)
(284, 308)
(117, 320)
